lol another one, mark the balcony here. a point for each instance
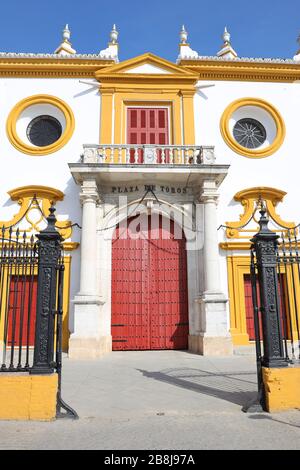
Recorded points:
(148, 154)
(115, 165)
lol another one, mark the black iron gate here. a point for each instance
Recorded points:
(275, 281)
(31, 303)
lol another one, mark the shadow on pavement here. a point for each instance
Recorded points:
(271, 418)
(235, 387)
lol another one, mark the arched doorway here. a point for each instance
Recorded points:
(149, 285)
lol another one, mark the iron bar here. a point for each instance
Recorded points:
(258, 404)
(23, 298)
(285, 263)
(291, 262)
(297, 258)
(60, 403)
(32, 252)
(284, 313)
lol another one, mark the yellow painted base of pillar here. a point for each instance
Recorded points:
(282, 388)
(28, 397)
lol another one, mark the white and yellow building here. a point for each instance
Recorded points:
(198, 141)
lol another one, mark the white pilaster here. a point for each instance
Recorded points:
(213, 337)
(88, 340)
(209, 198)
(89, 198)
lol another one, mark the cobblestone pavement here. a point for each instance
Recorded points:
(158, 400)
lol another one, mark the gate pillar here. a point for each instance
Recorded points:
(49, 247)
(265, 247)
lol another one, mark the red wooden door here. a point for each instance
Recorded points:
(147, 126)
(249, 306)
(22, 310)
(149, 287)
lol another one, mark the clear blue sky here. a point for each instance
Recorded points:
(259, 28)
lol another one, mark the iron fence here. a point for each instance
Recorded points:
(275, 283)
(31, 303)
(18, 270)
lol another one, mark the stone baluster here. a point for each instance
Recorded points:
(127, 155)
(120, 154)
(136, 155)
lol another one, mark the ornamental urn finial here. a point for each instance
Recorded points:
(114, 35)
(185, 52)
(65, 48)
(297, 56)
(226, 36)
(183, 35)
(66, 33)
(227, 51)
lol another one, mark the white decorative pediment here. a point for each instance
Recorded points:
(147, 68)
(146, 64)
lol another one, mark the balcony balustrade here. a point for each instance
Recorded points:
(149, 154)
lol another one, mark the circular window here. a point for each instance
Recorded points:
(44, 130)
(249, 133)
(252, 127)
(40, 125)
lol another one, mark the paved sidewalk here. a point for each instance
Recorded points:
(158, 400)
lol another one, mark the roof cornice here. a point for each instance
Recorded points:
(29, 55)
(244, 69)
(51, 65)
(207, 68)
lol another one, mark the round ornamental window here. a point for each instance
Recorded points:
(44, 130)
(252, 127)
(249, 133)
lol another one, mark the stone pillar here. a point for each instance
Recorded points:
(213, 337)
(89, 198)
(88, 340)
(209, 198)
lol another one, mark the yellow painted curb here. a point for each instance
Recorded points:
(282, 388)
(28, 397)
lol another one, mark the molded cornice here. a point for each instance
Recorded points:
(239, 70)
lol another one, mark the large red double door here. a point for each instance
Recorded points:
(149, 286)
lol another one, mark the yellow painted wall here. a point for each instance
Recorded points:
(28, 397)
(237, 268)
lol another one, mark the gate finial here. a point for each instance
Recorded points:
(264, 219)
(51, 219)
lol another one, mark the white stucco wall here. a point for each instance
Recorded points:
(52, 170)
(279, 170)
